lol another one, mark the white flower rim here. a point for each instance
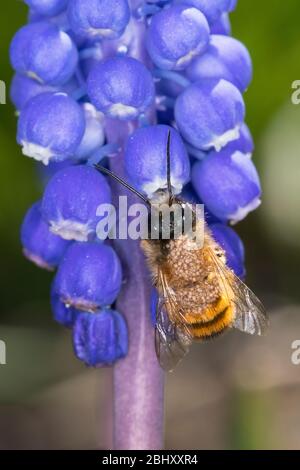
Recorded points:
(71, 230)
(242, 212)
(221, 141)
(160, 183)
(37, 260)
(39, 153)
(120, 110)
(103, 32)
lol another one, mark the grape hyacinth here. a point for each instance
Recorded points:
(43, 52)
(47, 7)
(42, 133)
(176, 35)
(108, 80)
(98, 19)
(71, 199)
(40, 245)
(145, 159)
(121, 87)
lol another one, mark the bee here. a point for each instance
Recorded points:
(199, 296)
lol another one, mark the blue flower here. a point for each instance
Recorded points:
(84, 66)
(101, 338)
(209, 113)
(226, 58)
(89, 276)
(43, 52)
(212, 9)
(45, 172)
(94, 136)
(51, 127)
(176, 35)
(189, 194)
(71, 200)
(244, 143)
(228, 184)
(222, 25)
(232, 5)
(121, 87)
(47, 7)
(62, 313)
(98, 19)
(146, 161)
(24, 88)
(40, 245)
(233, 246)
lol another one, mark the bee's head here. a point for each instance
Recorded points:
(168, 218)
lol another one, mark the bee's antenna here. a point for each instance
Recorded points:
(102, 169)
(169, 167)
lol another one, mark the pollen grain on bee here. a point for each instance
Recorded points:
(161, 222)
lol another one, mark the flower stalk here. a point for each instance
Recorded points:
(138, 402)
(138, 378)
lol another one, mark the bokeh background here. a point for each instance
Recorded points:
(234, 393)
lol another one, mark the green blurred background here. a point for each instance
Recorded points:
(234, 393)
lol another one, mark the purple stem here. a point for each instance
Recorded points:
(138, 379)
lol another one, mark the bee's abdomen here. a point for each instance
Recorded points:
(213, 321)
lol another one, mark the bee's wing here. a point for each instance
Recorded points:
(250, 314)
(172, 336)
